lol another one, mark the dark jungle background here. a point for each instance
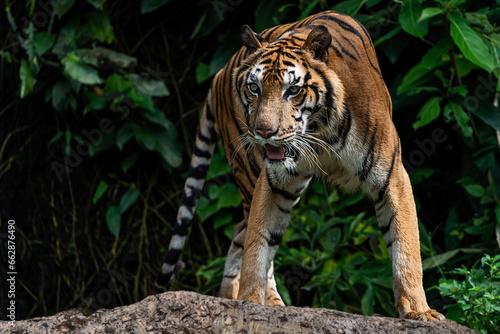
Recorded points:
(99, 102)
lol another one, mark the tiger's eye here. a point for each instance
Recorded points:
(294, 90)
(253, 88)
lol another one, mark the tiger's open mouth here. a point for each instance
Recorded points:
(279, 153)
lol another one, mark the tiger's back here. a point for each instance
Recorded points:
(301, 100)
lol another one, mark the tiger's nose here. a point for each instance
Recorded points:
(266, 133)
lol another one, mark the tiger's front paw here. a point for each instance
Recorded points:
(417, 309)
(429, 315)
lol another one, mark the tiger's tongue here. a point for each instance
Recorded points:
(275, 153)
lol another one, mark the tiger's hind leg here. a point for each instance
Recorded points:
(231, 279)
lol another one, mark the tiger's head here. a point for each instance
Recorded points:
(288, 93)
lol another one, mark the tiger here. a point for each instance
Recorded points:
(298, 101)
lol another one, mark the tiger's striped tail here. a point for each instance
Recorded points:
(206, 139)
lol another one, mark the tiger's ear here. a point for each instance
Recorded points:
(251, 40)
(317, 42)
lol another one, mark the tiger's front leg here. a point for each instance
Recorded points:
(398, 222)
(270, 211)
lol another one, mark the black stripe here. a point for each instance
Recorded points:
(389, 174)
(284, 210)
(230, 276)
(380, 203)
(288, 63)
(173, 256)
(307, 77)
(369, 158)
(275, 238)
(389, 244)
(201, 153)
(209, 114)
(204, 138)
(198, 172)
(285, 194)
(343, 50)
(342, 130)
(350, 28)
(387, 227)
(345, 131)
(337, 52)
(190, 201)
(237, 244)
(182, 227)
(315, 89)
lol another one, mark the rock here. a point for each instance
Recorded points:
(189, 312)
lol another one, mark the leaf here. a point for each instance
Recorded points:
(80, 71)
(222, 219)
(27, 81)
(60, 93)
(367, 301)
(148, 86)
(141, 100)
(97, 102)
(66, 39)
(429, 112)
(168, 147)
(62, 7)
(145, 136)
(434, 57)
(417, 76)
(151, 5)
(56, 137)
(101, 189)
(229, 196)
(202, 72)
(159, 118)
(98, 4)
(43, 42)
(475, 190)
(429, 12)
(129, 198)
(105, 58)
(113, 220)
(440, 259)
(313, 3)
(116, 83)
(100, 26)
(469, 42)
(124, 134)
(408, 18)
(6, 55)
(129, 162)
(387, 36)
(454, 110)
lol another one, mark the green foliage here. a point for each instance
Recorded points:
(338, 258)
(86, 78)
(477, 295)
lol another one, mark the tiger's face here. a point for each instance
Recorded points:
(288, 95)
